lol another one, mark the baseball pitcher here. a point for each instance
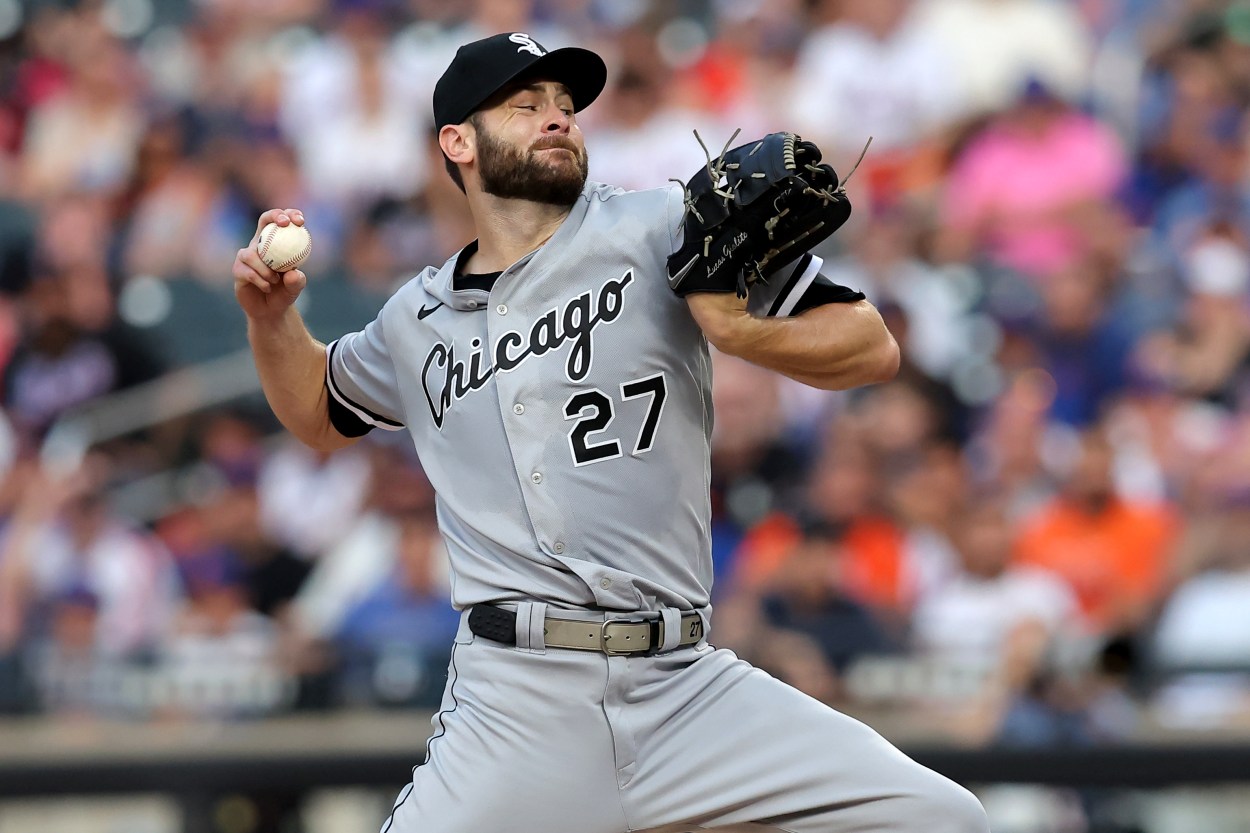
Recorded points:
(555, 380)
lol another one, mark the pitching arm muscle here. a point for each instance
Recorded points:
(833, 346)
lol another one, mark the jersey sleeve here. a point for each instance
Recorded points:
(360, 377)
(798, 288)
(674, 213)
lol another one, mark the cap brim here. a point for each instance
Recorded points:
(581, 70)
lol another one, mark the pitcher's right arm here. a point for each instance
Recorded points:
(290, 362)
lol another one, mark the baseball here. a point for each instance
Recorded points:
(284, 247)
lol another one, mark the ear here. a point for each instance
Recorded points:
(458, 142)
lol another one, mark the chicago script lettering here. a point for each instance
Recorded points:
(446, 378)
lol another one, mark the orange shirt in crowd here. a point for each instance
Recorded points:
(874, 571)
(1115, 560)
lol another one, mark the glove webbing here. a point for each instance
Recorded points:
(824, 193)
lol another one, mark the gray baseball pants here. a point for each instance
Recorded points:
(537, 740)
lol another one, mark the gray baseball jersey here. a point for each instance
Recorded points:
(562, 417)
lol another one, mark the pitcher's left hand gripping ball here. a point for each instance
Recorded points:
(751, 211)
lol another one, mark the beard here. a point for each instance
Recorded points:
(525, 175)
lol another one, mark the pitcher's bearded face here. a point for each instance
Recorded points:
(552, 170)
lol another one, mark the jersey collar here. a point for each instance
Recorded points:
(440, 284)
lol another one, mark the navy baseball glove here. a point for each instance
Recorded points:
(751, 211)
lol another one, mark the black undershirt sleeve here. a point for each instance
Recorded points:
(343, 420)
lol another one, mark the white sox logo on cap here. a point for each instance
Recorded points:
(485, 67)
(527, 44)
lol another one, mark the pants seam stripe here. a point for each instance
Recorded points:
(442, 730)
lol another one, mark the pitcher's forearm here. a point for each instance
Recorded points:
(292, 365)
(834, 347)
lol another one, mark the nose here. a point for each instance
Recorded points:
(557, 121)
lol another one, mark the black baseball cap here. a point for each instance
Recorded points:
(484, 67)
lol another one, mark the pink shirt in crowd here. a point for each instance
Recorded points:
(1011, 187)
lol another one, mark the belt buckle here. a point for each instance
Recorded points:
(622, 647)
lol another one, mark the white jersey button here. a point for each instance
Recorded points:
(471, 305)
(558, 547)
(605, 583)
(502, 309)
(518, 409)
(537, 477)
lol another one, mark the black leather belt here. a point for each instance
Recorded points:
(613, 636)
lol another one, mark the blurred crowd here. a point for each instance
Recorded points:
(1038, 533)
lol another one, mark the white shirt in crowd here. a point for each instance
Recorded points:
(900, 101)
(970, 617)
(992, 47)
(296, 485)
